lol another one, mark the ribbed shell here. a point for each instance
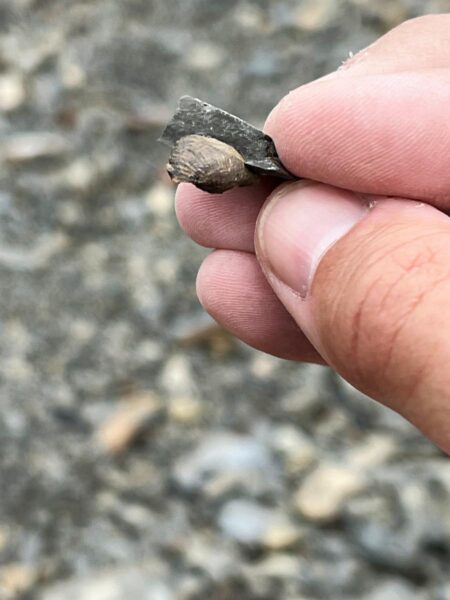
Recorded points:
(211, 165)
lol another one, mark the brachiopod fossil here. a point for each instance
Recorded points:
(210, 164)
(216, 150)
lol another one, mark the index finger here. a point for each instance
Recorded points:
(378, 134)
(379, 125)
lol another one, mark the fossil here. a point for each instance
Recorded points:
(217, 151)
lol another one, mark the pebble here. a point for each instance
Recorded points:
(17, 579)
(12, 91)
(122, 427)
(375, 450)
(186, 410)
(313, 15)
(177, 378)
(395, 589)
(72, 75)
(382, 529)
(127, 582)
(323, 493)
(69, 213)
(224, 460)
(4, 537)
(278, 566)
(165, 270)
(263, 366)
(27, 147)
(297, 450)
(160, 200)
(82, 330)
(204, 56)
(17, 369)
(309, 395)
(251, 18)
(36, 256)
(251, 523)
(216, 557)
(80, 174)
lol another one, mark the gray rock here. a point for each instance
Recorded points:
(133, 582)
(252, 523)
(226, 460)
(395, 589)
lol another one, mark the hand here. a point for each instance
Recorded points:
(353, 271)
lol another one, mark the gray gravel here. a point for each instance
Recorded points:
(221, 473)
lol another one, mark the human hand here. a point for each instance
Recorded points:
(354, 271)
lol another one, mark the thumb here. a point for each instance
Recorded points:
(369, 284)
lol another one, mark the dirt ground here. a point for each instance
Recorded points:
(143, 452)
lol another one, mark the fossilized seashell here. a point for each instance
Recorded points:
(208, 163)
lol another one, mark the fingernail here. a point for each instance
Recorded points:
(299, 224)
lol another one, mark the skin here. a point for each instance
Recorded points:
(371, 297)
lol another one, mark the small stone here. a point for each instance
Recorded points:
(296, 449)
(252, 18)
(278, 566)
(212, 555)
(149, 351)
(72, 75)
(177, 377)
(16, 368)
(281, 533)
(313, 15)
(396, 589)
(223, 461)
(165, 269)
(252, 523)
(132, 416)
(18, 336)
(82, 330)
(27, 147)
(160, 200)
(375, 450)
(17, 579)
(36, 256)
(143, 581)
(185, 409)
(204, 56)
(80, 174)
(310, 394)
(263, 366)
(12, 91)
(69, 213)
(323, 493)
(94, 256)
(4, 538)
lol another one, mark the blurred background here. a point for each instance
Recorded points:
(144, 453)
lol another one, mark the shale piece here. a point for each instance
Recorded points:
(217, 151)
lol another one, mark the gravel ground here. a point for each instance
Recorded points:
(143, 452)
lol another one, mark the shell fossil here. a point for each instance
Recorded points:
(217, 151)
(210, 164)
